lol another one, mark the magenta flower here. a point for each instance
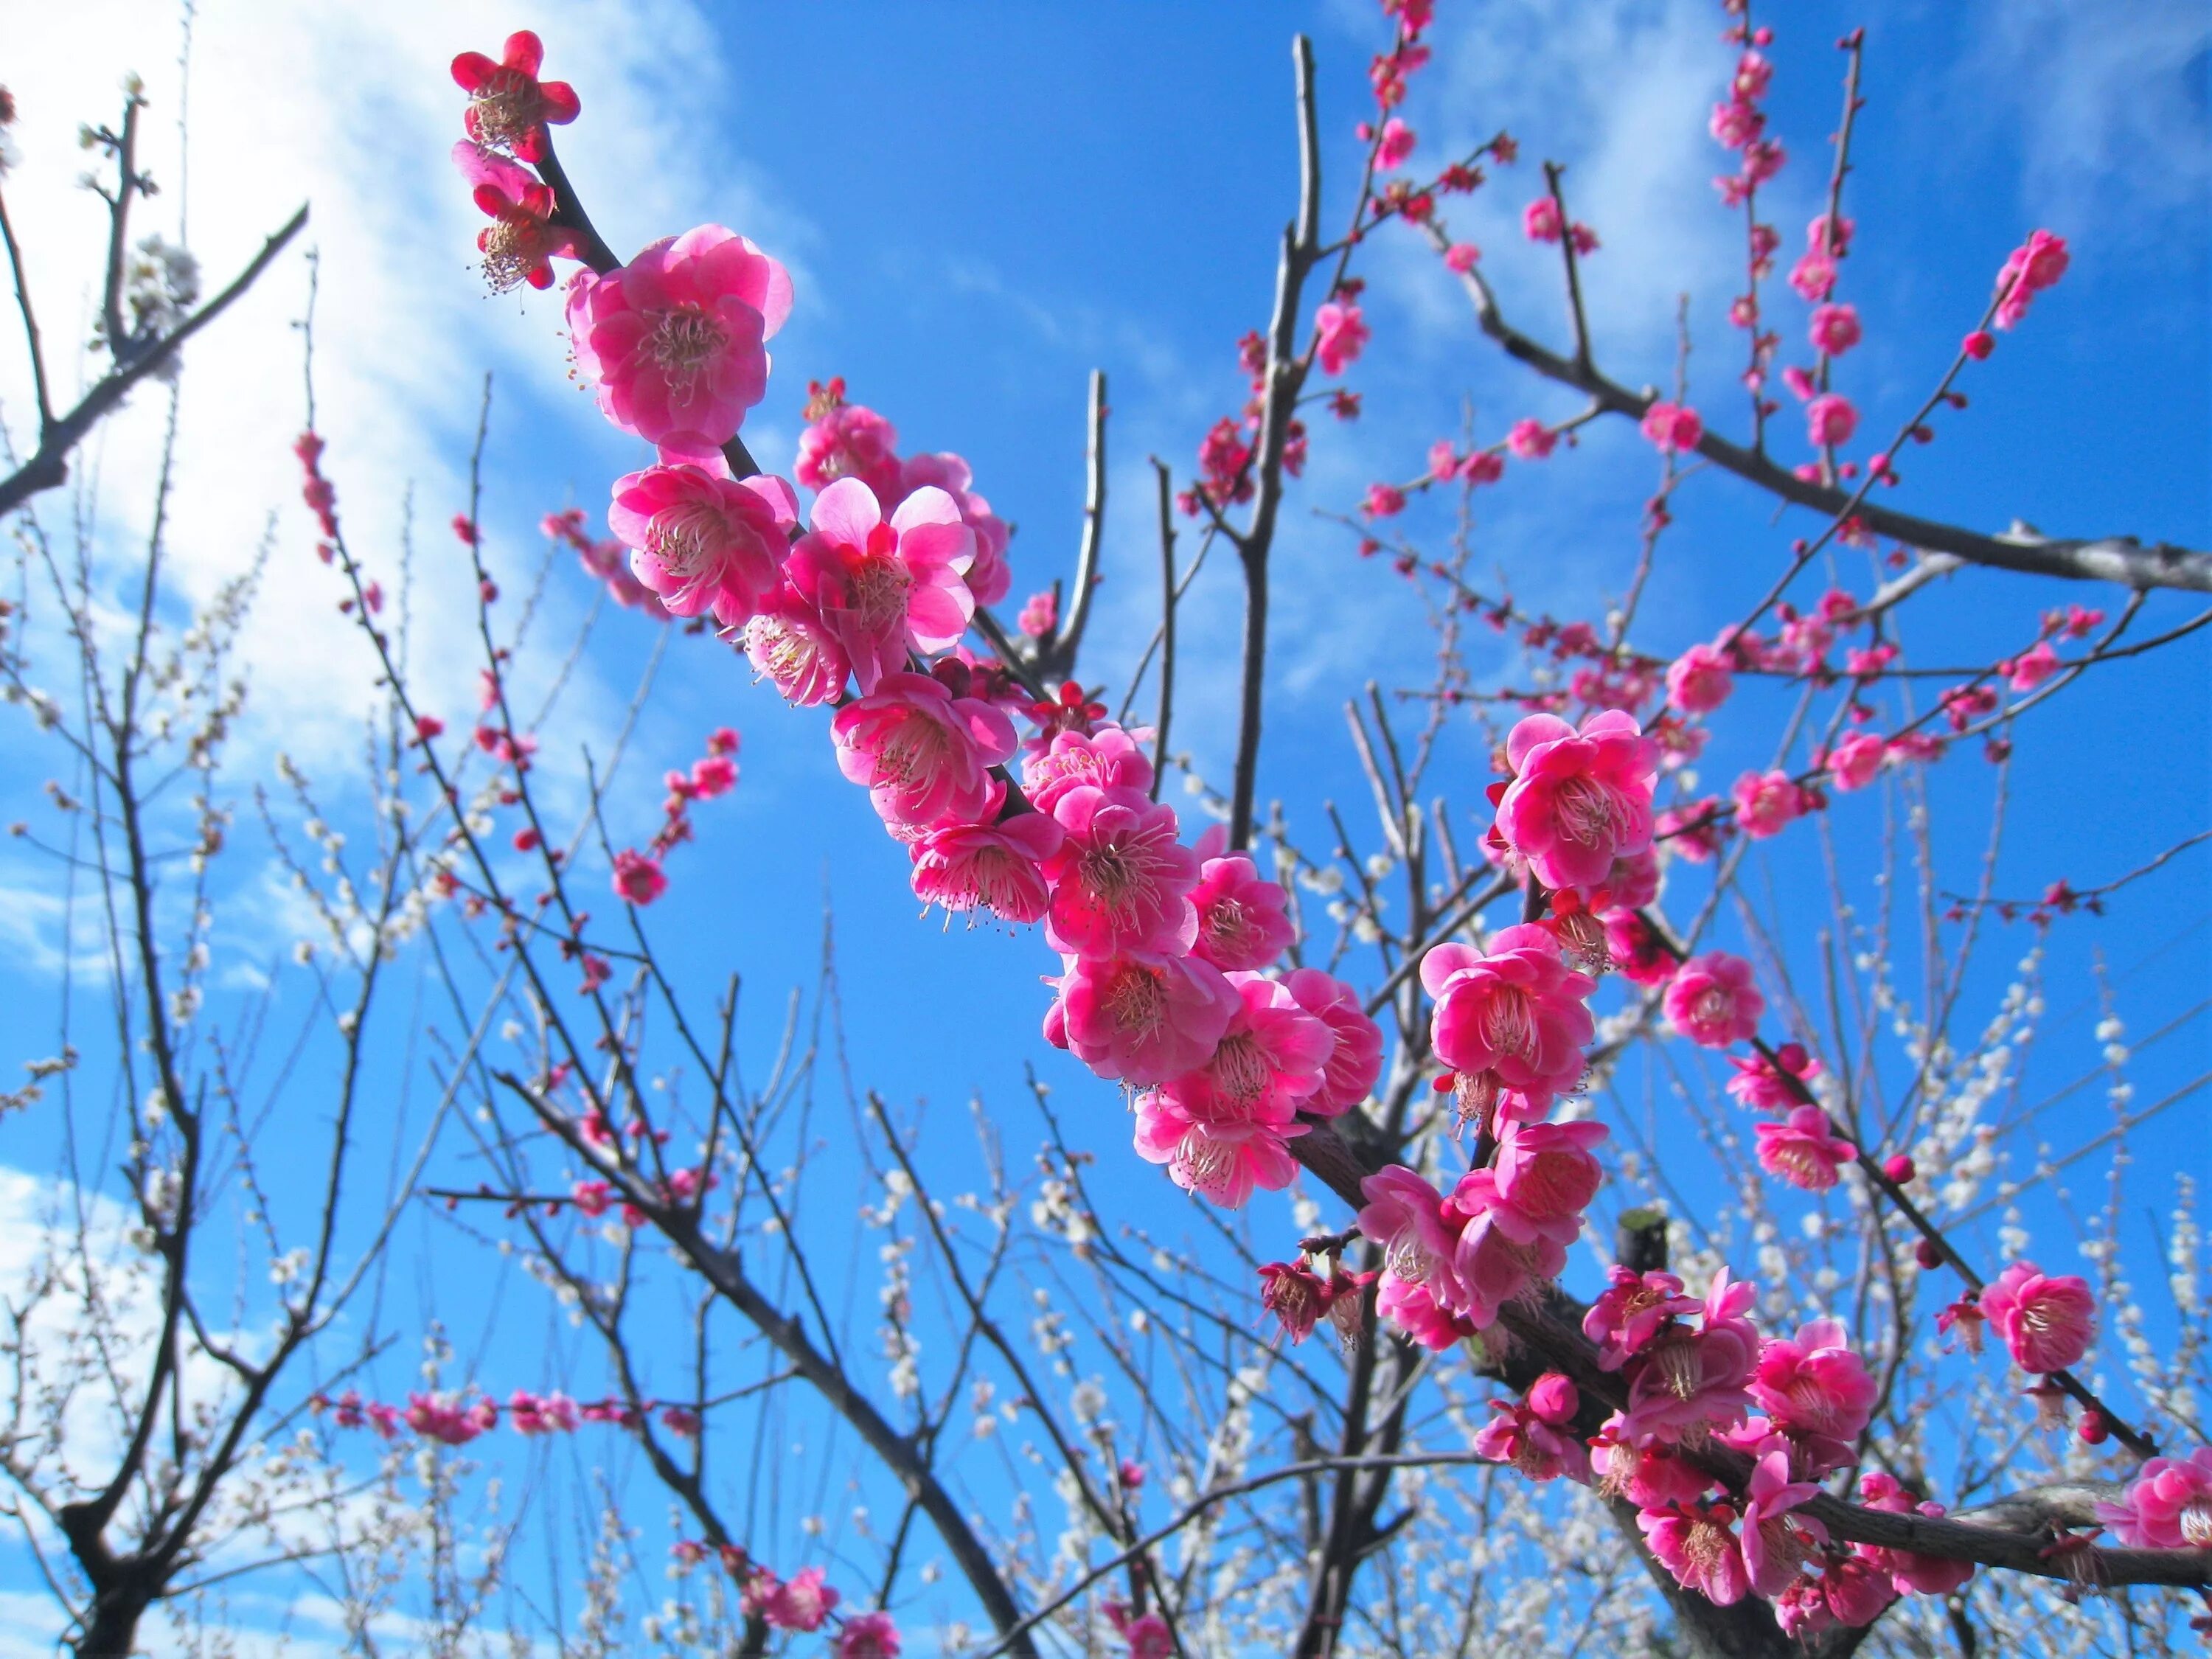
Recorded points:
(522, 238)
(801, 1602)
(1294, 1294)
(1384, 501)
(1531, 440)
(1699, 680)
(923, 755)
(1394, 144)
(1801, 1151)
(2168, 1506)
(1763, 1087)
(1462, 258)
(1692, 1380)
(988, 867)
(1835, 329)
(1143, 1019)
(1407, 1215)
(1830, 420)
(2031, 667)
(1039, 615)
(1241, 919)
(1121, 881)
(788, 642)
(2038, 264)
(1673, 428)
(1268, 1062)
(1712, 1001)
(850, 440)
(1221, 1162)
(1776, 1543)
(1540, 1183)
(1813, 277)
(1105, 757)
(1412, 1308)
(1516, 1013)
(2048, 1324)
(1498, 1261)
(673, 340)
(638, 879)
(1339, 333)
(989, 578)
(884, 589)
(703, 542)
(1766, 803)
(1853, 762)
(508, 105)
(1578, 800)
(1856, 1592)
(1697, 1544)
(1536, 1435)
(1356, 1060)
(1540, 220)
(867, 1636)
(1816, 1390)
(1630, 1312)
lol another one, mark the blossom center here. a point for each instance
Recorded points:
(1509, 1023)
(1136, 1001)
(876, 586)
(506, 108)
(684, 341)
(686, 539)
(1585, 811)
(1241, 1071)
(1714, 1006)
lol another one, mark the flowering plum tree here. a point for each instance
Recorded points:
(1789, 1400)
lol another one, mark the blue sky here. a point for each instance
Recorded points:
(981, 204)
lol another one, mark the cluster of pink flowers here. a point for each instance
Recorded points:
(456, 1419)
(1739, 123)
(803, 1603)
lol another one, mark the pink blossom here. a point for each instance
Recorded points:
(1460, 257)
(1697, 1544)
(1269, 1060)
(1105, 757)
(867, 1636)
(1910, 1573)
(1496, 1259)
(531, 1414)
(638, 879)
(1672, 426)
(1294, 1294)
(1383, 500)
(1516, 1013)
(1799, 382)
(882, 588)
(1357, 1060)
(1241, 919)
(522, 238)
(922, 754)
(2047, 1322)
(2031, 667)
(508, 105)
(1039, 615)
(1835, 329)
(1816, 1389)
(788, 642)
(1830, 420)
(1122, 880)
(1148, 1635)
(672, 340)
(1584, 239)
(1485, 467)
(1443, 460)
(2036, 265)
(1413, 1308)
(1635, 951)
(850, 440)
(1578, 800)
(1339, 333)
(1699, 680)
(1395, 145)
(1855, 1590)
(1712, 1001)
(1766, 803)
(1801, 1151)
(1220, 1160)
(1540, 220)
(1541, 1181)
(801, 1602)
(989, 578)
(988, 867)
(1407, 1215)
(713, 776)
(1763, 1086)
(441, 1419)
(1693, 829)
(1693, 1379)
(1853, 762)
(1631, 1311)
(1536, 1434)
(1813, 277)
(1143, 1019)
(701, 542)
(1776, 1544)
(1736, 123)
(1825, 235)
(2168, 1506)
(1531, 440)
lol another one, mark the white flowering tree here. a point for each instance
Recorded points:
(1664, 1314)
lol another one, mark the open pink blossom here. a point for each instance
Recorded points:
(1268, 1063)
(788, 643)
(1221, 1161)
(1712, 1001)
(1776, 1542)
(1673, 428)
(1540, 220)
(1631, 1311)
(1356, 1060)
(1407, 1217)
(703, 542)
(2031, 667)
(1801, 1151)
(1766, 803)
(1579, 799)
(1651, 1476)
(1815, 1389)
(882, 588)
(1830, 420)
(1242, 921)
(1122, 880)
(1763, 1086)
(1813, 277)
(522, 238)
(801, 1602)
(1414, 1310)
(2047, 1322)
(1531, 440)
(1039, 615)
(1516, 1011)
(923, 755)
(1855, 1591)
(1835, 329)
(1699, 680)
(1462, 258)
(1104, 757)
(1853, 762)
(508, 105)
(990, 577)
(1697, 1544)
(2036, 265)
(1499, 1257)
(638, 879)
(850, 440)
(1690, 1380)
(1339, 333)
(1636, 951)
(1910, 1573)
(1535, 1434)
(673, 340)
(1143, 1019)
(988, 867)
(867, 1636)
(1540, 1182)
(2168, 1506)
